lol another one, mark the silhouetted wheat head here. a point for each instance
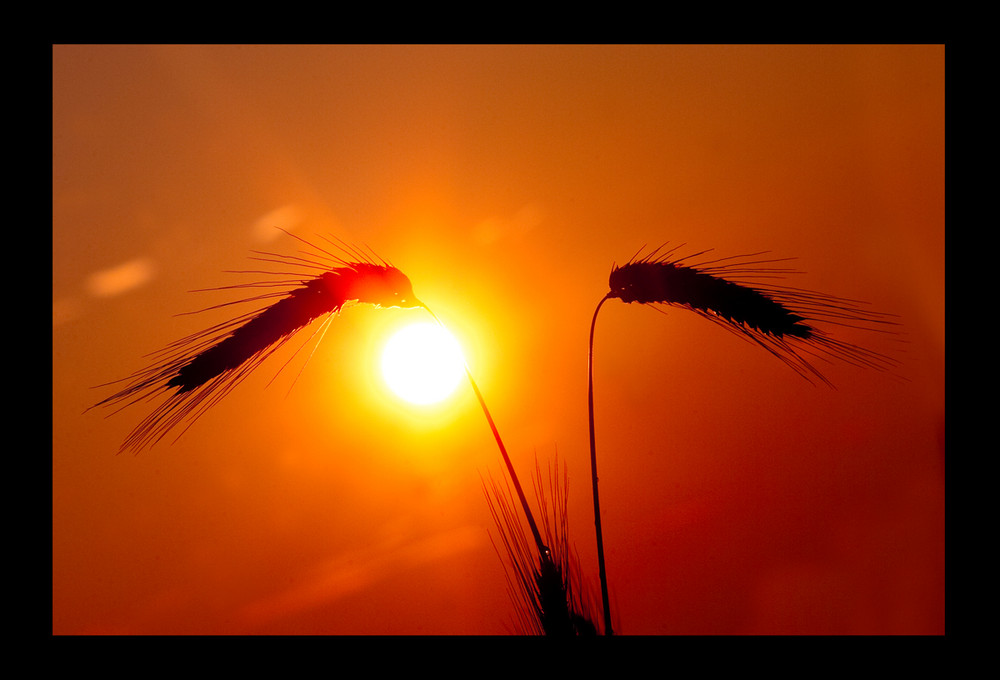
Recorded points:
(197, 371)
(545, 585)
(738, 293)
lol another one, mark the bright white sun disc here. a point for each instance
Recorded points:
(422, 363)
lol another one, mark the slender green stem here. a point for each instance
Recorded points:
(593, 473)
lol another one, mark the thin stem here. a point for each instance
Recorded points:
(542, 548)
(593, 473)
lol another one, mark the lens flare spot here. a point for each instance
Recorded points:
(422, 363)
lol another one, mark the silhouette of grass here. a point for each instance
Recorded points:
(547, 590)
(734, 292)
(737, 293)
(199, 370)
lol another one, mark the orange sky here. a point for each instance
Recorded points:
(505, 181)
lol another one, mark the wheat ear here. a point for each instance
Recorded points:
(199, 370)
(547, 592)
(738, 294)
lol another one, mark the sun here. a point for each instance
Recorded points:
(422, 363)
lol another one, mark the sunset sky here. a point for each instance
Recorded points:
(505, 181)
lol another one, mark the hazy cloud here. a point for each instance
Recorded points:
(120, 279)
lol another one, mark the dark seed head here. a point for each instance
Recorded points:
(737, 293)
(383, 286)
(661, 282)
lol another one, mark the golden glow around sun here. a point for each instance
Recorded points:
(422, 363)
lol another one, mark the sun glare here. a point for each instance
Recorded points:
(422, 363)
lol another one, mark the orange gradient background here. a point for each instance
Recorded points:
(505, 181)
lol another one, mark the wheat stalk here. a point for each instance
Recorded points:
(737, 293)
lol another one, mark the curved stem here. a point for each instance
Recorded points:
(593, 473)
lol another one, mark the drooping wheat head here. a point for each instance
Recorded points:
(197, 371)
(739, 294)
